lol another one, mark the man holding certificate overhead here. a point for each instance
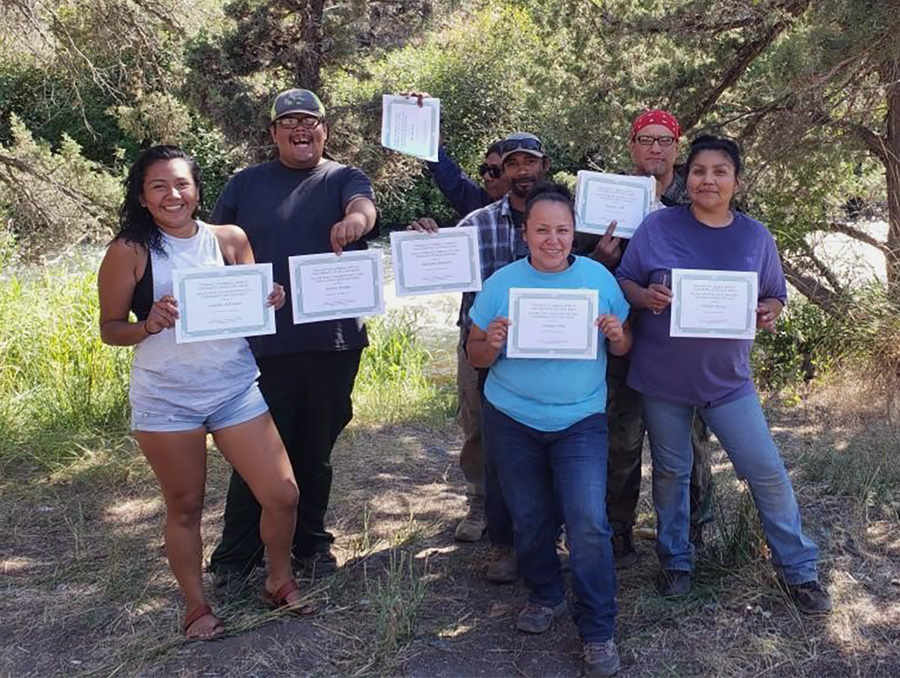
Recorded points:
(543, 325)
(299, 204)
(653, 147)
(686, 357)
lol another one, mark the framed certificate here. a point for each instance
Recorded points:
(331, 287)
(601, 198)
(446, 261)
(410, 128)
(713, 304)
(550, 323)
(223, 302)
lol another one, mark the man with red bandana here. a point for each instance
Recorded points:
(653, 145)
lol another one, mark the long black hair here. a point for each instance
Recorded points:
(136, 225)
(708, 142)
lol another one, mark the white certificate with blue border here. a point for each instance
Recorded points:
(601, 198)
(428, 263)
(713, 304)
(552, 323)
(409, 128)
(222, 302)
(332, 287)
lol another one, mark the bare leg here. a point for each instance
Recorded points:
(179, 462)
(255, 450)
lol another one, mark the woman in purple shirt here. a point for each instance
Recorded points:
(676, 374)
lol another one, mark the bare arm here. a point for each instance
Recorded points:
(618, 334)
(119, 272)
(654, 298)
(359, 218)
(236, 249)
(484, 347)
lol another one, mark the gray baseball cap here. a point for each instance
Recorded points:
(521, 142)
(296, 101)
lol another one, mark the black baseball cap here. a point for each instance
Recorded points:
(296, 101)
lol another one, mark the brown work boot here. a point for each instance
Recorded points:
(472, 527)
(502, 568)
(623, 549)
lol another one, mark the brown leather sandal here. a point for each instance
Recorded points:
(196, 615)
(279, 601)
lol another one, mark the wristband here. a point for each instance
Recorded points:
(149, 332)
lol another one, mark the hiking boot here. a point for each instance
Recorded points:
(810, 597)
(601, 659)
(472, 527)
(672, 583)
(502, 568)
(536, 618)
(623, 549)
(318, 565)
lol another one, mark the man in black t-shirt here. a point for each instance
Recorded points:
(301, 203)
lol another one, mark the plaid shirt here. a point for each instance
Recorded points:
(499, 243)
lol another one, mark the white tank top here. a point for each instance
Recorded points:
(199, 377)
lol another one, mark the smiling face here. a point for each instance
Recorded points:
(711, 181)
(170, 194)
(655, 159)
(549, 232)
(523, 171)
(302, 146)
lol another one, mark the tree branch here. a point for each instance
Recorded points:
(809, 287)
(855, 233)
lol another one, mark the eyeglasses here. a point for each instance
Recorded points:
(647, 140)
(492, 171)
(526, 144)
(306, 122)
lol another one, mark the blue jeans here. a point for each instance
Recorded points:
(742, 429)
(533, 465)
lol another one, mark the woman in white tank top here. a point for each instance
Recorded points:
(179, 392)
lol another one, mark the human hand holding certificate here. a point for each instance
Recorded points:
(713, 304)
(223, 302)
(602, 198)
(410, 128)
(331, 287)
(552, 323)
(446, 261)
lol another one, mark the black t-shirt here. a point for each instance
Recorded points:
(286, 212)
(519, 246)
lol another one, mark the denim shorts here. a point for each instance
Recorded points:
(243, 407)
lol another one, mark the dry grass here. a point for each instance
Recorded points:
(86, 590)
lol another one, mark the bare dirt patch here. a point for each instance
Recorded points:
(86, 590)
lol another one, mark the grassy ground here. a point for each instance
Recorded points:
(86, 590)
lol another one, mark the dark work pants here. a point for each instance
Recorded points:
(308, 394)
(496, 512)
(626, 441)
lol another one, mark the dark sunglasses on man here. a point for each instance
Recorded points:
(526, 144)
(492, 171)
(306, 122)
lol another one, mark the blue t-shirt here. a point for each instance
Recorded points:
(695, 371)
(547, 395)
(285, 212)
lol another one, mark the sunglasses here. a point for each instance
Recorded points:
(492, 171)
(510, 145)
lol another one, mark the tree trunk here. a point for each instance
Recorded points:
(890, 74)
(308, 67)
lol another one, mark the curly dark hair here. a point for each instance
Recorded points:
(136, 225)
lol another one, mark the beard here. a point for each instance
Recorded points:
(654, 168)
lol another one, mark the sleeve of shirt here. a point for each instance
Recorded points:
(225, 211)
(484, 310)
(772, 284)
(632, 266)
(355, 185)
(463, 194)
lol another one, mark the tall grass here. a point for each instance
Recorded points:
(394, 384)
(61, 390)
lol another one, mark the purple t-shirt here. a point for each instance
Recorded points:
(700, 372)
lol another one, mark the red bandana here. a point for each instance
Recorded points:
(656, 116)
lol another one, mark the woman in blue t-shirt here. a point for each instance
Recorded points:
(545, 428)
(675, 375)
